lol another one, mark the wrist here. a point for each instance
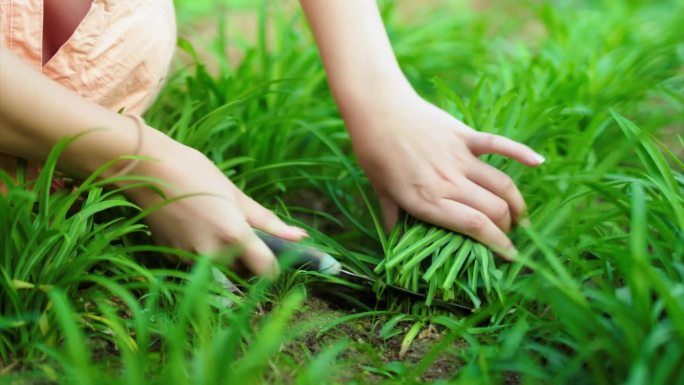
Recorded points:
(363, 105)
(162, 158)
(370, 90)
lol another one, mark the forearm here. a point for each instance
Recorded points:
(356, 52)
(36, 113)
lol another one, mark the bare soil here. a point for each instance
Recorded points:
(368, 354)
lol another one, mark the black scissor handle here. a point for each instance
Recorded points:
(300, 256)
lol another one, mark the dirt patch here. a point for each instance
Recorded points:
(370, 358)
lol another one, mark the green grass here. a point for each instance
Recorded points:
(597, 296)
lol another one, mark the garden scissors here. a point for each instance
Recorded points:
(309, 258)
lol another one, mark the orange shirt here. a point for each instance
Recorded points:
(117, 57)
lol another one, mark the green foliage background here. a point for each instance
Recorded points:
(597, 297)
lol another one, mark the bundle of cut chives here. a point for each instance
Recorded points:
(448, 265)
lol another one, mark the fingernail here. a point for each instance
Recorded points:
(509, 254)
(512, 254)
(299, 231)
(538, 158)
(273, 273)
(525, 223)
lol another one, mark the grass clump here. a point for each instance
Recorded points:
(443, 264)
(51, 240)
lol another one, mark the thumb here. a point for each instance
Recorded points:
(484, 143)
(240, 240)
(257, 257)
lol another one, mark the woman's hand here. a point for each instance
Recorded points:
(212, 217)
(423, 160)
(416, 155)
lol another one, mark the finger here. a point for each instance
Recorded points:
(263, 219)
(390, 211)
(254, 253)
(258, 258)
(464, 219)
(482, 200)
(483, 143)
(500, 184)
